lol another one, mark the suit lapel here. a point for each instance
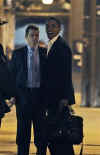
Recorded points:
(25, 57)
(24, 63)
(52, 50)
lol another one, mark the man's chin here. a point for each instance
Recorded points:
(50, 37)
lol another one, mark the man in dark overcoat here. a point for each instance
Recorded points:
(59, 91)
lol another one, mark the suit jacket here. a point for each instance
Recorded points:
(19, 69)
(58, 73)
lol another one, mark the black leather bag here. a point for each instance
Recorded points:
(65, 128)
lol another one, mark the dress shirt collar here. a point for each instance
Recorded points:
(51, 42)
(30, 49)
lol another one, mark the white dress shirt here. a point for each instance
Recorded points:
(51, 42)
(33, 64)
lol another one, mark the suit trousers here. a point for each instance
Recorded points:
(58, 149)
(54, 148)
(29, 111)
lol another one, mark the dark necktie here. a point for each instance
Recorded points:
(34, 58)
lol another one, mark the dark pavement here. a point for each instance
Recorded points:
(91, 132)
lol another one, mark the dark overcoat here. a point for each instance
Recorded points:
(7, 82)
(58, 73)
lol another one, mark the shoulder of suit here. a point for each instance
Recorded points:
(63, 41)
(43, 49)
(19, 49)
(63, 46)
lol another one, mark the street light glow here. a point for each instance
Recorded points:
(47, 2)
(98, 12)
(9, 2)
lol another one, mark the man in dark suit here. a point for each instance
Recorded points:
(58, 79)
(27, 68)
(4, 84)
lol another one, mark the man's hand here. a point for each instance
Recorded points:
(11, 102)
(63, 103)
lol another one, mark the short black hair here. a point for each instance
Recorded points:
(31, 27)
(55, 19)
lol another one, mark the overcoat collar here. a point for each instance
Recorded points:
(56, 43)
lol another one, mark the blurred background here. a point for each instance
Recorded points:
(80, 28)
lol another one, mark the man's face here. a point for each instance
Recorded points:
(33, 38)
(52, 29)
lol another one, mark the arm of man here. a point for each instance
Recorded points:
(68, 94)
(13, 74)
(68, 86)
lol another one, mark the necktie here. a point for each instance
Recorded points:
(30, 71)
(35, 61)
(33, 68)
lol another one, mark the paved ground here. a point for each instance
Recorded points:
(91, 132)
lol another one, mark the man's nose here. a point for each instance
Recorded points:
(35, 37)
